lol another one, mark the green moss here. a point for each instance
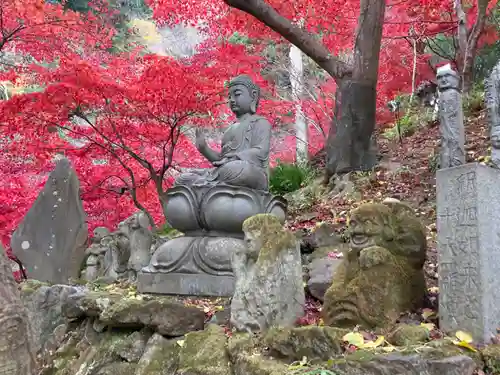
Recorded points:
(491, 357)
(204, 353)
(30, 286)
(313, 342)
(161, 357)
(274, 239)
(405, 334)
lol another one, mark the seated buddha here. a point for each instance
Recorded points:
(244, 156)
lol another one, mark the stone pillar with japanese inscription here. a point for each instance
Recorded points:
(468, 227)
(451, 118)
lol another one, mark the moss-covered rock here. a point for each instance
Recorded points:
(491, 357)
(204, 353)
(247, 356)
(162, 314)
(161, 357)
(313, 342)
(405, 334)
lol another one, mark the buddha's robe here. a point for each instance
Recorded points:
(249, 142)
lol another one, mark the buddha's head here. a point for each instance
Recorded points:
(243, 96)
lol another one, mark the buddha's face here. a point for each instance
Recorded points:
(241, 100)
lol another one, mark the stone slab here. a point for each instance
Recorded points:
(468, 225)
(51, 239)
(186, 284)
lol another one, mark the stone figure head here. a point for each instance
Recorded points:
(447, 78)
(138, 220)
(243, 95)
(392, 225)
(370, 225)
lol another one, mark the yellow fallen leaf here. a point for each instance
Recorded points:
(180, 343)
(373, 344)
(219, 308)
(464, 344)
(429, 326)
(388, 349)
(354, 338)
(464, 336)
(321, 322)
(427, 313)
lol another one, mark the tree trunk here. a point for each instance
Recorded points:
(354, 121)
(349, 144)
(467, 41)
(16, 353)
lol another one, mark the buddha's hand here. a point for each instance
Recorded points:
(221, 162)
(200, 139)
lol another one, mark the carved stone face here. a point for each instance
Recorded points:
(241, 100)
(254, 244)
(447, 81)
(366, 228)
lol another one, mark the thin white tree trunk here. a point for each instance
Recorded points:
(297, 81)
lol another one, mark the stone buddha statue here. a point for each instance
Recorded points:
(244, 157)
(210, 205)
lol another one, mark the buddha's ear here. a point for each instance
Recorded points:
(253, 105)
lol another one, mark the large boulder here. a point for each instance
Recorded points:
(51, 239)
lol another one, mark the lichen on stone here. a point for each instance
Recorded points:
(273, 238)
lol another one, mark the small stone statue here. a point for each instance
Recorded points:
(451, 118)
(244, 156)
(381, 275)
(117, 255)
(94, 263)
(269, 290)
(140, 239)
(493, 106)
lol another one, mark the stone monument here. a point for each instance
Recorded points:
(381, 275)
(468, 234)
(51, 239)
(493, 106)
(451, 118)
(210, 205)
(269, 290)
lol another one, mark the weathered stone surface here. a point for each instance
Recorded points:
(269, 290)
(468, 223)
(382, 275)
(407, 365)
(132, 348)
(312, 342)
(204, 353)
(161, 357)
(321, 271)
(51, 239)
(45, 310)
(17, 355)
(114, 310)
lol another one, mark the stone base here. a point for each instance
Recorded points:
(185, 284)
